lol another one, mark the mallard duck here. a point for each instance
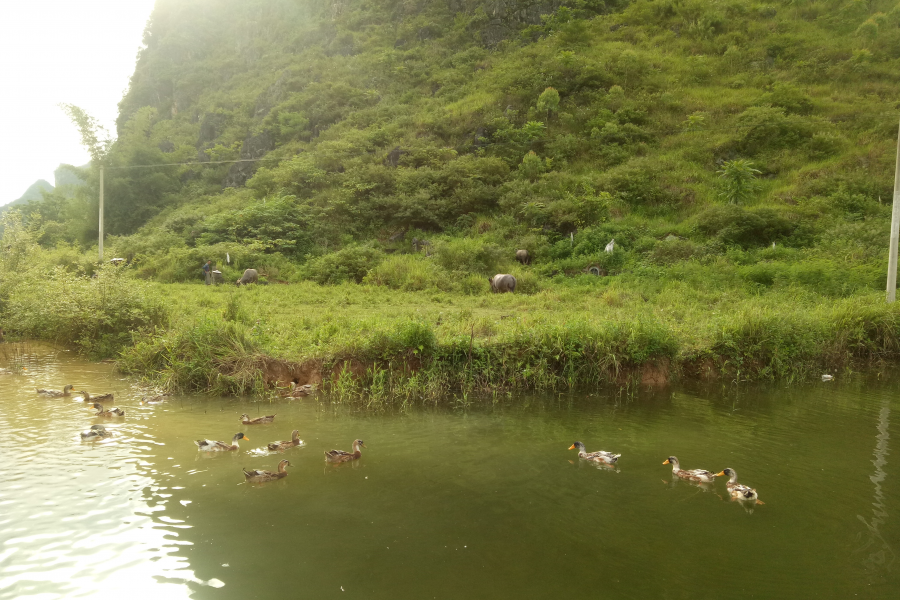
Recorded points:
(246, 420)
(298, 391)
(154, 400)
(113, 412)
(100, 398)
(701, 475)
(294, 441)
(598, 456)
(339, 456)
(214, 446)
(263, 476)
(739, 491)
(96, 432)
(56, 393)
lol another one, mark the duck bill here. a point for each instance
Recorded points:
(245, 438)
(572, 447)
(665, 462)
(760, 502)
(720, 474)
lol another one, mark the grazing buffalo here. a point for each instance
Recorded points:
(523, 257)
(502, 283)
(249, 276)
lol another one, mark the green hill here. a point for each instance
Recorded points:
(382, 119)
(737, 152)
(33, 193)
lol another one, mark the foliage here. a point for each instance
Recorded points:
(347, 264)
(738, 180)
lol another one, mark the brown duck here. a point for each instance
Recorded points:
(56, 393)
(294, 441)
(246, 420)
(339, 456)
(113, 412)
(260, 476)
(100, 398)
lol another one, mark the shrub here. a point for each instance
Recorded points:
(762, 128)
(471, 255)
(348, 264)
(409, 273)
(744, 228)
(99, 314)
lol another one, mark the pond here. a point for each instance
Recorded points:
(477, 501)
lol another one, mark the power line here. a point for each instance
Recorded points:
(208, 162)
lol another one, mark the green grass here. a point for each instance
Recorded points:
(425, 344)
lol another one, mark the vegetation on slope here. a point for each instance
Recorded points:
(740, 154)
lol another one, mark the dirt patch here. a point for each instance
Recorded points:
(281, 373)
(656, 373)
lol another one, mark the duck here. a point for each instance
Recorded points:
(113, 412)
(598, 456)
(339, 456)
(298, 391)
(246, 420)
(96, 432)
(100, 398)
(701, 475)
(215, 446)
(263, 476)
(294, 441)
(154, 400)
(739, 491)
(56, 393)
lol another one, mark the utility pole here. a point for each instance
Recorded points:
(101, 218)
(895, 231)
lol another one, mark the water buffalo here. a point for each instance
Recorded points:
(249, 276)
(522, 257)
(502, 283)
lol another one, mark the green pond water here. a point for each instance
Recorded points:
(478, 502)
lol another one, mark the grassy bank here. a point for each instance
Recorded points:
(369, 342)
(404, 334)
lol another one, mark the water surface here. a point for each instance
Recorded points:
(477, 502)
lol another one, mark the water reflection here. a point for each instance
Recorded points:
(880, 557)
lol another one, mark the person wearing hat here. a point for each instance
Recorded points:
(207, 272)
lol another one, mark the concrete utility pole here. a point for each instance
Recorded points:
(101, 217)
(895, 231)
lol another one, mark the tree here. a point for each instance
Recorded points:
(548, 101)
(90, 130)
(738, 180)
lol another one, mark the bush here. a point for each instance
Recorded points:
(348, 264)
(99, 314)
(409, 273)
(744, 228)
(470, 255)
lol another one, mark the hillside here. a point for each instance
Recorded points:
(740, 155)
(33, 193)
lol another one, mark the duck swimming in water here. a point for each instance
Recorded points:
(294, 441)
(739, 491)
(339, 456)
(246, 420)
(96, 432)
(598, 456)
(100, 398)
(260, 476)
(215, 446)
(700, 475)
(56, 393)
(113, 412)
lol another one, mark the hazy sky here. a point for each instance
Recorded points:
(80, 52)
